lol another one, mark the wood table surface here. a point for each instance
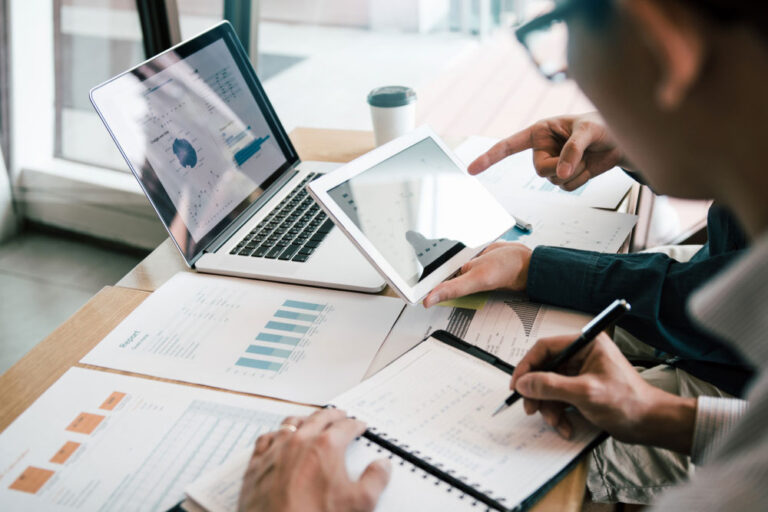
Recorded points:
(64, 347)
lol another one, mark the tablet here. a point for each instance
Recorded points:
(413, 211)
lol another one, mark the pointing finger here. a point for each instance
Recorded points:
(513, 144)
(573, 152)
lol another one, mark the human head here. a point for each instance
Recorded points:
(681, 83)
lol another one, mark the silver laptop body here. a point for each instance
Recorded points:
(199, 133)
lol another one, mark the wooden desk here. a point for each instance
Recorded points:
(52, 357)
(64, 348)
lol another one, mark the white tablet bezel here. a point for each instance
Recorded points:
(412, 294)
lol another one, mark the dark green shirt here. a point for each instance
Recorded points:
(658, 288)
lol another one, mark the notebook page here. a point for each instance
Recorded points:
(409, 487)
(436, 402)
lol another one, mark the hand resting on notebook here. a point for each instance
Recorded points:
(303, 468)
(606, 389)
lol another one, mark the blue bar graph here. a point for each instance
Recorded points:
(293, 315)
(303, 305)
(276, 338)
(268, 351)
(282, 326)
(258, 364)
(251, 149)
(547, 186)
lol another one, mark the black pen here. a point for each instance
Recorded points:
(590, 331)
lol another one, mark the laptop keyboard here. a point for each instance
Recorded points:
(292, 231)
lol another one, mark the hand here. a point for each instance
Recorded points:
(567, 150)
(305, 469)
(606, 389)
(501, 265)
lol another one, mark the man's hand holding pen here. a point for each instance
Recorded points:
(607, 390)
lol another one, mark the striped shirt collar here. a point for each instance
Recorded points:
(734, 305)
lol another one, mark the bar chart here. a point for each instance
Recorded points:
(283, 336)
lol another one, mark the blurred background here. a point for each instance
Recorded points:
(73, 219)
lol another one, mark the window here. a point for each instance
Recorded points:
(93, 41)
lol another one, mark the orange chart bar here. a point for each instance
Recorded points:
(65, 452)
(111, 402)
(85, 423)
(32, 480)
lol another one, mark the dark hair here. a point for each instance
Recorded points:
(751, 13)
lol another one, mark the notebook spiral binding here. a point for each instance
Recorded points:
(435, 470)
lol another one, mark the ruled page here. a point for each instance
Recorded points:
(436, 401)
(409, 487)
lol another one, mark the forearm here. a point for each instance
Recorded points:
(657, 286)
(669, 422)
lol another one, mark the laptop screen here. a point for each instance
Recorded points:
(199, 134)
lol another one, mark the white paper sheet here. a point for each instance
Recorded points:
(102, 441)
(438, 401)
(293, 342)
(571, 226)
(507, 325)
(408, 489)
(515, 177)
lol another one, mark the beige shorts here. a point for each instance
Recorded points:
(629, 473)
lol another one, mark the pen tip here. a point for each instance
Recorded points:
(500, 408)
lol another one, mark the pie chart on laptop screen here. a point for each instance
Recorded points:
(185, 153)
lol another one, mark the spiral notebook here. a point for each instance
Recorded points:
(430, 413)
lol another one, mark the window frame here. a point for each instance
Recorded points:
(67, 194)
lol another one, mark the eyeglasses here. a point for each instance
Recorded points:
(546, 39)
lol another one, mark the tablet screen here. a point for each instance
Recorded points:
(418, 209)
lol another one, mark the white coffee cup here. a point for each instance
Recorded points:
(393, 111)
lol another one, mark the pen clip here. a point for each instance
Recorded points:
(607, 316)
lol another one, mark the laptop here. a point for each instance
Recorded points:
(200, 135)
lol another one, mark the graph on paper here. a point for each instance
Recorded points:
(97, 441)
(569, 226)
(283, 337)
(536, 184)
(257, 337)
(525, 310)
(515, 177)
(506, 325)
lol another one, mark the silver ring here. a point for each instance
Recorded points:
(289, 427)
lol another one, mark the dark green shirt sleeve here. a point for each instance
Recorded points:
(657, 287)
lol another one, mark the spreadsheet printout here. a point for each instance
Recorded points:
(102, 441)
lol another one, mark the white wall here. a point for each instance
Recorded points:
(406, 15)
(349, 13)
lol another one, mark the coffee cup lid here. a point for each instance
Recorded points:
(391, 96)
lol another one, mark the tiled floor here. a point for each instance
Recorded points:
(44, 278)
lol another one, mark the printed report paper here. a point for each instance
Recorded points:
(291, 342)
(570, 226)
(506, 325)
(102, 441)
(515, 176)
